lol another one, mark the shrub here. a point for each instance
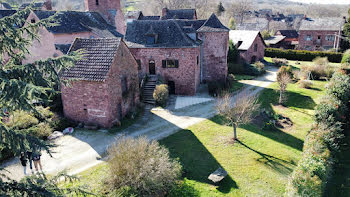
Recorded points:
(305, 84)
(260, 65)
(144, 167)
(318, 71)
(235, 68)
(21, 120)
(321, 61)
(233, 53)
(346, 57)
(161, 94)
(215, 88)
(45, 113)
(253, 70)
(42, 130)
(302, 55)
(59, 124)
(299, 74)
(285, 69)
(279, 62)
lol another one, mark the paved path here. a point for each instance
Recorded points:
(85, 148)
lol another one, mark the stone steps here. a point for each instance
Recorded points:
(149, 89)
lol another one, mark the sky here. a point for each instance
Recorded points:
(324, 1)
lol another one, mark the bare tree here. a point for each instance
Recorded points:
(283, 81)
(240, 8)
(238, 109)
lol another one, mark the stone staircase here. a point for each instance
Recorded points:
(149, 89)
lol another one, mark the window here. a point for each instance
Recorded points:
(330, 37)
(32, 21)
(319, 37)
(170, 63)
(138, 64)
(151, 39)
(255, 47)
(124, 85)
(308, 38)
(97, 3)
(197, 60)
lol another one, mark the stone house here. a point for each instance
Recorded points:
(250, 44)
(320, 34)
(104, 86)
(184, 52)
(291, 38)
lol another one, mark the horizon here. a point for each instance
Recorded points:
(344, 2)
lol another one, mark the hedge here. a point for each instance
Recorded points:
(315, 168)
(302, 55)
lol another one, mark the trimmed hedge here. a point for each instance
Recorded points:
(302, 55)
(316, 166)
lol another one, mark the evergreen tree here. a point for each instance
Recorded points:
(345, 43)
(20, 86)
(232, 23)
(220, 9)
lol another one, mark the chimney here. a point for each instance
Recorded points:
(48, 4)
(164, 11)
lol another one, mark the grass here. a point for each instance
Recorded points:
(298, 64)
(258, 166)
(244, 77)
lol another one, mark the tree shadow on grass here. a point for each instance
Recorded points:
(275, 163)
(198, 163)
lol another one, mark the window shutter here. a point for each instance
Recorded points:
(164, 63)
(176, 63)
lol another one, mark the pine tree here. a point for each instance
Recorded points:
(220, 9)
(20, 86)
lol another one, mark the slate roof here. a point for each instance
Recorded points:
(36, 6)
(6, 5)
(169, 33)
(289, 33)
(190, 26)
(274, 39)
(333, 24)
(64, 48)
(188, 14)
(246, 38)
(74, 22)
(98, 59)
(213, 24)
(259, 24)
(4, 13)
(142, 17)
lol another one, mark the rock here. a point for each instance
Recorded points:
(68, 130)
(218, 175)
(55, 135)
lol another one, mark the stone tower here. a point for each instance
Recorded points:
(110, 10)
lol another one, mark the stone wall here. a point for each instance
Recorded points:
(314, 44)
(102, 103)
(186, 76)
(215, 50)
(250, 53)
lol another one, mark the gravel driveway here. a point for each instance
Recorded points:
(85, 148)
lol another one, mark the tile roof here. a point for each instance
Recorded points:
(213, 24)
(180, 14)
(99, 55)
(246, 38)
(289, 33)
(74, 22)
(4, 13)
(333, 24)
(169, 33)
(274, 39)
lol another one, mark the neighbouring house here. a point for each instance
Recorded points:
(184, 52)
(184, 14)
(275, 41)
(138, 15)
(104, 86)
(44, 5)
(250, 44)
(320, 34)
(291, 38)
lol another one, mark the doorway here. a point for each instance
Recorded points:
(171, 85)
(152, 67)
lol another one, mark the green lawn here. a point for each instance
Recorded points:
(298, 64)
(258, 166)
(261, 163)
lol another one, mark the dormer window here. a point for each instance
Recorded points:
(97, 3)
(151, 39)
(33, 20)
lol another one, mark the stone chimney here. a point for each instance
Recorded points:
(48, 5)
(164, 11)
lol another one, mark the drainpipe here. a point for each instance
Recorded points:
(202, 57)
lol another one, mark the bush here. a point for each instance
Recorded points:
(42, 130)
(215, 88)
(161, 94)
(59, 124)
(144, 167)
(346, 57)
(253, 70)
(305, 84)
(302, 55)
(260, 65)
(299, 74)
(236, 68)
(318, 71)
(279, 62)
(45, 113)
(321, 61)
(21, 120)
(233, 53)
